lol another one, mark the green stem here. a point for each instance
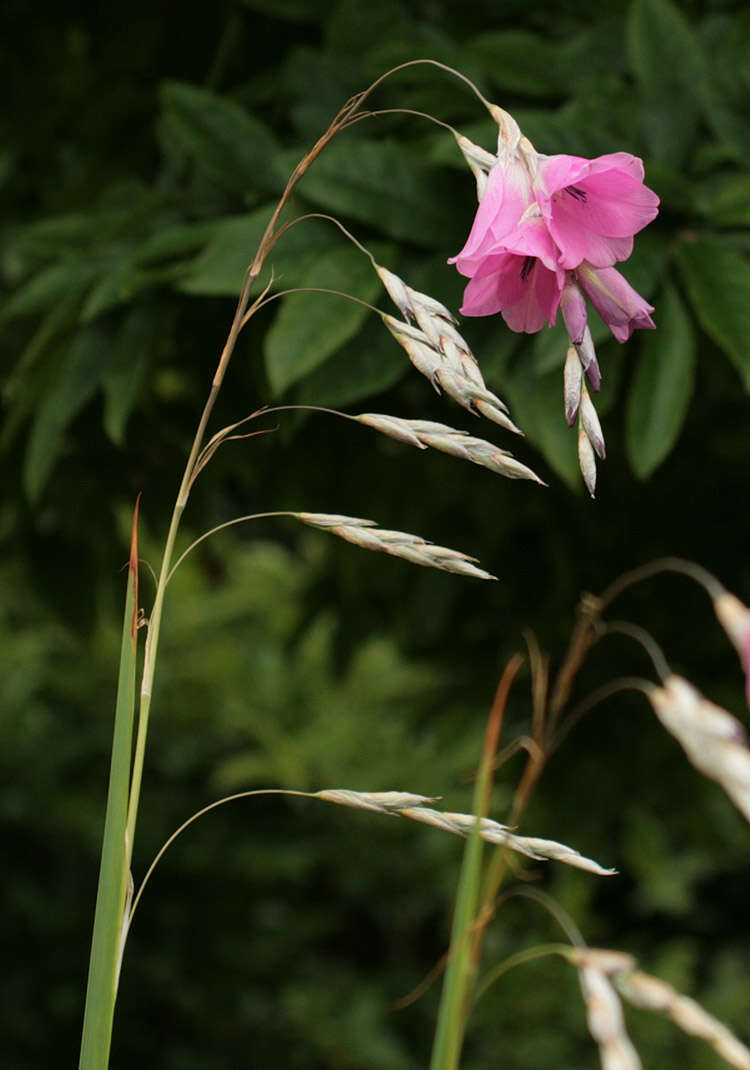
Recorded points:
(111, 896)
(461, 972)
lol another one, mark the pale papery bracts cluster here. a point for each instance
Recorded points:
(424, 433)
(369, 536)
(734, 618)
(439, 352)
(412, 807)
(713, 740)
(546, 235)
(602, 971)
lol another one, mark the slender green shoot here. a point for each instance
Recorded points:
(114, 870)
(461, 972)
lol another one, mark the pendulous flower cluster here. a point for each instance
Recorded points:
(546, 236)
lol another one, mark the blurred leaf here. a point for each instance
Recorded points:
(230, 146)
(646, 265)
(368, 364)
(177, 239)
(662, 387)
(67, 278)
(117, 287)
(718, 282)
(310, 327)
(377, 182)
(353, 28)
(125, 369)
(519, 61)
(219, 270)
(82, 371)
(672, 73)
(726, 202)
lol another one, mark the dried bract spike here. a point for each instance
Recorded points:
(493, 409)
(560, 853)
(398, 543)
(441, 354)
(652, 994)
(601, 958)
(478, 451)
(332, 520)
(425, 358)
(393, 426)
(587, 355)
(386, 802)
(734, 618)
(590, 423)
(587, 461)
(397, 290)
(710, 736)
(479, 160)
(606, 1022)
(493, 832)
(572, 384)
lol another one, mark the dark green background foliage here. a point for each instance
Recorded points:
(142, 154)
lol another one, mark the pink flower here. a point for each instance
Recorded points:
(521, 287)
(593, 208)
(618, 304)
(542, 216)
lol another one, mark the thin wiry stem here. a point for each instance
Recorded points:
(194, 817)
(220, 527)
(311, 290)
(646, 640)
(521, 957)
(428, 62)
(376, 113)
(558, 912)
(702, 576)
(331, 219)
(614, 687)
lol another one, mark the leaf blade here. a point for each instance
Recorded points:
(660, 394)
(717, 278)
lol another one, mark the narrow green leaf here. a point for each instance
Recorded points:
(81, 373)
(672, 72)
(310, 327)
(662, 387)
(718, 282)
(387, 185)
(231, 147)
(101, 990)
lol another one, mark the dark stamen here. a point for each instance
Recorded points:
(576, 193)
(527, 267)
